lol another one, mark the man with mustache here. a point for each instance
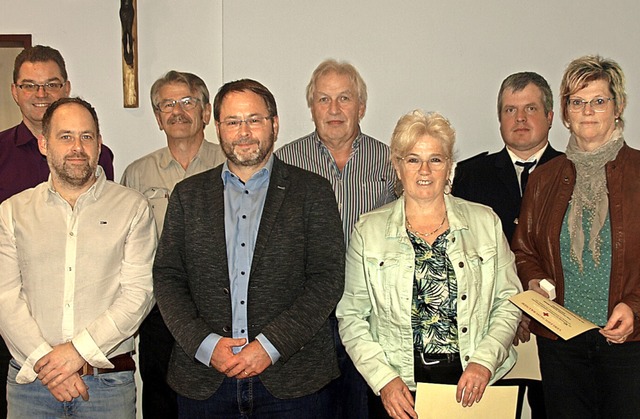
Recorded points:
(76, 255)
(249, 267)
(181, 105)
(525, 113)
(359, 169)
(39, 79)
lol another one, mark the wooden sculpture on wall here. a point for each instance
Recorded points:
(129, 52)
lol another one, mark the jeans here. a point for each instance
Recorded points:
(248, 398)
(585, 377)
(111, 395)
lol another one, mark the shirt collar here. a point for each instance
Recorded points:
(227, 174)
(166, 158)
(535, 157)
(25, 135)
(92, 193)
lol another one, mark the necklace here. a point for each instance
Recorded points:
(425, 234)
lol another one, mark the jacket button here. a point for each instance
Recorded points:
(226, 291)
(464, 297)
(226, 329)
(464, 330)
(466, 358)
(453, 240)
(461, 264)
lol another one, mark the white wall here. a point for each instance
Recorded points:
(446, 56)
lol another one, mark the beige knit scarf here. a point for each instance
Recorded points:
(590, 193)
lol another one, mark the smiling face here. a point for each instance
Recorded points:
(72, 147)
(524, 125)
(33, 105)
(336, 109)
(180, 124)
(593, 129)
(424, 184)
(246, 147)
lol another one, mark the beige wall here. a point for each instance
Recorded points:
(10, 114)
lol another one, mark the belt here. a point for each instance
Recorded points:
(435, 359)
(120, 363)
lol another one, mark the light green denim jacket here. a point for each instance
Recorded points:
(374, 313)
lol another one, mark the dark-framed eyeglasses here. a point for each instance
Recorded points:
(253, 122)
(47, 87)
(186, 103)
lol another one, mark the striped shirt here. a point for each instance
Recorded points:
(367, 181)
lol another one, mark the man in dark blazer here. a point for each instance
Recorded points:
(525, 112)
(249, 267)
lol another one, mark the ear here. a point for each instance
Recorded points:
(206, 114)
(276, 127)
(14, 92)
(362, 108)
(550, 118)
(42, 144)
(99, 146)
(66, 89)
(158, 119)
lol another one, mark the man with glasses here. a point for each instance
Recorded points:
(360, 172)
(39, 79)
(249, 266)
(181, 105)
(525, 113)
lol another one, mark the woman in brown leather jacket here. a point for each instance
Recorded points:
(579, 229)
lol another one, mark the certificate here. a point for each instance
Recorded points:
(437, 401)
(552, 315)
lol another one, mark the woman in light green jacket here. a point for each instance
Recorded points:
(428, 280)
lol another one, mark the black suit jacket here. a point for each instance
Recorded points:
(297, 278)
(491, 179)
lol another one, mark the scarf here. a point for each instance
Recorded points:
(590, 193)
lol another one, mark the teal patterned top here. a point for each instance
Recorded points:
(433, 311)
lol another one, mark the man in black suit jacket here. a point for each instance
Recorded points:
(249, 267)
(525, 112)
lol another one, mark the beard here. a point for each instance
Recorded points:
(253, 158)
(74, 176)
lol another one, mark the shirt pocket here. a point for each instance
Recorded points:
(158, 200)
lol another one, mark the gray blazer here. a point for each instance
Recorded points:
(297, 278)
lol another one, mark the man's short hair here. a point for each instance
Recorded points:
(338, 67)
(39, 54)
(196, 86)
(48, 115)
(519, 81)
(244, 85)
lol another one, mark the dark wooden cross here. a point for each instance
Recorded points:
(128, 20)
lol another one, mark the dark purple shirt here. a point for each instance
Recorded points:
(23, 167)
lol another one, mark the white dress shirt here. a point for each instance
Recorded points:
(80, 274)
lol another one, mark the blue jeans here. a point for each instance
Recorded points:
(585, 377)
(248, 398)
(111, 395)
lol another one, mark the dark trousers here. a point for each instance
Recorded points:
(535, 396)
(585, 377)
(347, 393)
(249, 398)
(5, 357)
(156, 343)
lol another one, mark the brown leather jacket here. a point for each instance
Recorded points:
(536, 242)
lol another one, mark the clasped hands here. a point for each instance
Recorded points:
(58, 370)
(249, 362)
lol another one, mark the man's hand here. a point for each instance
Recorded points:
(70, 388)
(251, 361)
(472, 384)
(523, 334)
(58, 365)
(397, 399)
(223, 355)
(620, 324)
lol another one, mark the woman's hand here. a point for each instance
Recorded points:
(620, 324)
(534, 284)
(397, 399)
(472, 383)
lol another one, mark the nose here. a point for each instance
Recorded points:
(77, 144)
(244, 129)
(40, 92)
(521, 115)
(587, 109)
(424, 167)
(334, 107)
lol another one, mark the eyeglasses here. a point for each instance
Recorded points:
(254, 123)
(436, 162)
(34, 87)
(598, 104)
(186, 103)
